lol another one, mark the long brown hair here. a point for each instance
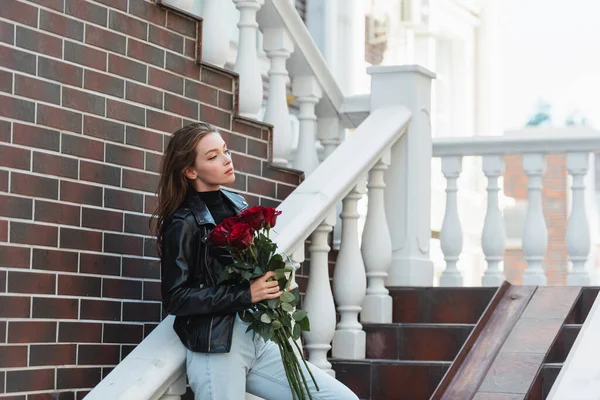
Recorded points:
(173, 186)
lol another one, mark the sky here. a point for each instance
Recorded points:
(550, 50)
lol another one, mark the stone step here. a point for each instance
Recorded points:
(562, 345)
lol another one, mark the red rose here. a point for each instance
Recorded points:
(241, 236)
(254, 216)
(271, 216)
(230, 222)
(219, 236)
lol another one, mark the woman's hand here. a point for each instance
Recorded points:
(261, 289)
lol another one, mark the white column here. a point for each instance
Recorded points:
(578, 230)
(246, 62)
(279, 46)
(318, 302)
(535, 234)
(349, 285)
(451, 236)
(408, 179)
(176, 390)
(308, 92)
(377, 249)
(493, 238)
(350, 71)
(215, 34)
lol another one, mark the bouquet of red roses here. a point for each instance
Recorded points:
(246, 237)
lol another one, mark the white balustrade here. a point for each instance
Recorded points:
(535, 233)
(349, 285)
(215, 35)
(451, 236)
(318, 302)
(247, 62)
(308, 92)
(493, 237)
(377, 249)
(176, 390)
(278, 45)
(578, 230)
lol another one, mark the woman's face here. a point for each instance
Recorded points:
(213, 166)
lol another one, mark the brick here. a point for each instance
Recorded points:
(29, 380)
(11, 107)
(145, 52)
(55, 308)
(144, 94)
(35, 136)
(150, 248)
(123, 333)
(57, 213)
(37, 89)
(126, 112)
(283, 191)
(80, 239)
(234, 141)
(246, 164)
(124, 156)
(182, 65)
(100, 173)
(104, 129)
(80, 286)
(127, 25)
(79, 332)
(81, 193)
(152, 291)
(14, 307)
(103, 83)
(58, 5)
(98, 354)
(214, 78)
(123, 244)
(79, 377)
(258, 148)
(215, 116)
(165, 80)
(141, 268)
(7, 32)
(178, 23)
(14, 157)
(166, 39)
(31, 282)
(99, 264)
(148, 328)
(148, 11)
(60, 71)
(137, 224)
(122, 289)
(123, 200)
(5, 132)
(54, 260)
(20, 12)
(3, 238)
(240, 183)
(31, 331)
(277, 174)
(162, 122)
(17, 60)
(3, 333)
(85, 55)
(14, 257)
(140, 180)
(58, 118)
(38, 42)
(101, 310)
(61, 25)
(51, 164)
(153, 162)
(190, 48)
(83, 101)
(200, 92)
(34, 234)
(181, 106)
(226, 100)
(6, 82)
(128, 68)
(13, 356)
(52, 354)
(261, 187)
(102, 219)
(141, 312)
(87, 11)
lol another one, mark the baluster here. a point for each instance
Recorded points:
(247, 63)
(279, 46)
(349, 285)
(578, 230)
(318, 302)
(535, 234)
(176, 390)
(377, 249)
(451, 236)
(215, 34)
(493, 238)
(308, 92)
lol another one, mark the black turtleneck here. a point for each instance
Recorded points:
(217, 205)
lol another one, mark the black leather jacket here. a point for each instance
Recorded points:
(205, 312)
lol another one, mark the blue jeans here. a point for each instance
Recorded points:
(253, 366)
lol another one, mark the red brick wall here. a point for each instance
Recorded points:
(554, 198)
(89, 92)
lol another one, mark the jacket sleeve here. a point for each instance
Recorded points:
(179, 298)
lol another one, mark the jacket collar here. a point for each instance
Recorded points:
(201, 212)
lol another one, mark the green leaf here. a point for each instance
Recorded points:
(287, 297)
(276, 324)
(265, 318)
(299, 315)
(304, 324)
(287, 307)
(296, 332)
(296, 292)
(247, 275)
(280, 273)
(273, 303)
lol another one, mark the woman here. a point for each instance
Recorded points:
(223, 360)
